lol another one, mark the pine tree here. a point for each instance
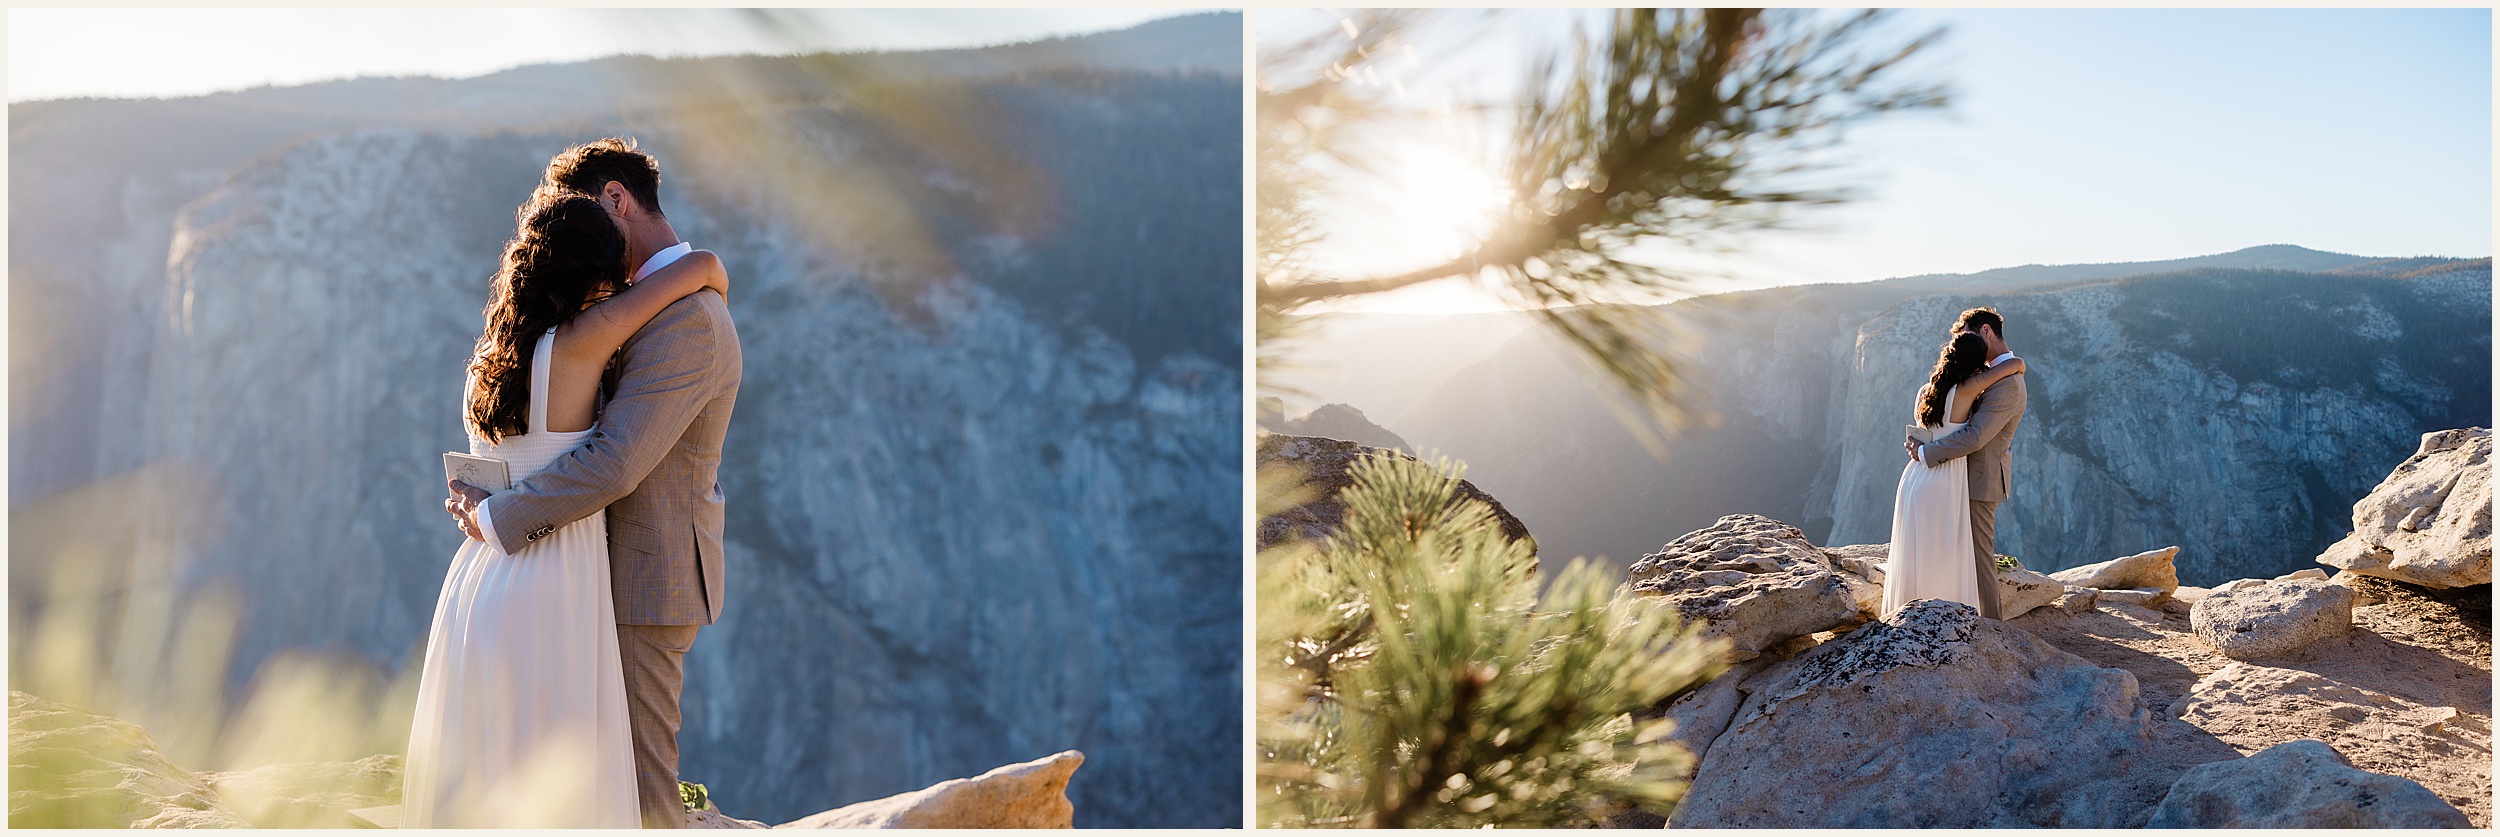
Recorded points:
(1409, 677)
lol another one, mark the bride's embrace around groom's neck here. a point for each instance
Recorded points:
(604, 379)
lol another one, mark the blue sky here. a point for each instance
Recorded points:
(2076, 136)
(56, 53)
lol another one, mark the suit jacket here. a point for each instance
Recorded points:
(654, 464)
(1988, 439)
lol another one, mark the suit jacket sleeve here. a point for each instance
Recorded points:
(666, 379)
(1996, 407)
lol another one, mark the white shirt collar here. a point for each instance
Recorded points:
(662, 259)
(1991, 364)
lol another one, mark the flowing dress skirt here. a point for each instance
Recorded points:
(520, 717)
(1933, 556)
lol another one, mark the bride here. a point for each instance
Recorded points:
(1931, 534)
(520, 715)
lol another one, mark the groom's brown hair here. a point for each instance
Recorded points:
(1983, 316)
(589, 167)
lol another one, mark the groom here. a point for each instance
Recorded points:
(653, 464)
(1988, 439)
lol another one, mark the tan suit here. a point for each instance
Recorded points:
(654, 464)
(1988, 439)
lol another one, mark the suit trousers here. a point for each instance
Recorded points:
(655, 674)
(1983, 535)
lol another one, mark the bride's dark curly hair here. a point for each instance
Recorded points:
(566, 255)
(1962, 357)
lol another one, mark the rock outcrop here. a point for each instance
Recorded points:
(2429, 523)
(2272, 619)
(70, 768)
(2300, 784)
(1751, 580)
(2020, 589)
(1323, 466)
(1028, 795)
(2154, 570)
(315, 795)
(1931, 718)
(2406, 692)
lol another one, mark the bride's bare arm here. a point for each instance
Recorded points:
(1995, 373)
(597, 332)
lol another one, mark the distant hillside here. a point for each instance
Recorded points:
(1333, 421)
(2237, 412)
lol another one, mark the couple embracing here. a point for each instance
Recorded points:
(1944, 513)
(604, 380)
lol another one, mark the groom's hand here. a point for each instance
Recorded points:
(462, 504)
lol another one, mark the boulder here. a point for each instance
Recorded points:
(2074, 599)
(309, 795)
(2240, 584)
(1751, 580)
(2143, 569)
(712, 818)
(2304, 573)
(2271, 620)
(1933, 717)
(70, 768)
(2300, 784)
(2020, 589)
(1865, 560)
(2364, 593)
(2429, 522)
(1702, 714)
(1323, 466)
(1033, 794)
(2147, 597)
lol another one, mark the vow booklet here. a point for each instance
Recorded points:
(489, 474)
(1922, 434)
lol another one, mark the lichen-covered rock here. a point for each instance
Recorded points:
(2300, 784)
(1323, 465)
(2155, 569)
(1749, 579)
(2274, 619)
(2429, 523)
(1033, 794)
(1932, 717)
(70, 768)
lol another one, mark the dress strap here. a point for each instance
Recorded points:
(540, 360)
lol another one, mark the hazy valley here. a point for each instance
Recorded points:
(2235, 405)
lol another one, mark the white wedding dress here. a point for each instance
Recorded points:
(1932, 551)
(520, 717)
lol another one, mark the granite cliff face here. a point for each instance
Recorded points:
(976, 510)
(2227, 405)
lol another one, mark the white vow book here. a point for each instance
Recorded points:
(1922, 434)
(489, 474)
